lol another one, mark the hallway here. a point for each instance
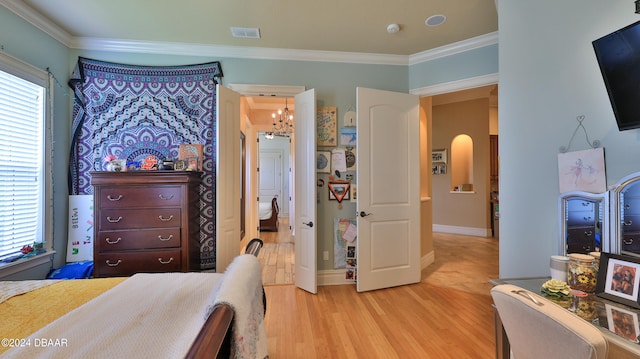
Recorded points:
(277, 256)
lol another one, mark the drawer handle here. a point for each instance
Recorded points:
(628, 222)
(113, 264)
(165, 198)
(586, 219)
(628, 241)
(165, 262)
(588, 233)
(114, 199)
(111, 220)
(165, 219)
(109, 241)
(165, 239)
(627, 206)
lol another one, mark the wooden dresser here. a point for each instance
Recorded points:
(146, 221)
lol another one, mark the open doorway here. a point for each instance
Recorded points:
(269, 175)
(278, 253)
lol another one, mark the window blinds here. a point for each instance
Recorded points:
(22, 106)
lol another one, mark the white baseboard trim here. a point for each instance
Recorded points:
(467, 231)
(427, 260)
(336, 276)
(333, 277)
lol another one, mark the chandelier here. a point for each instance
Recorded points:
(282, 123)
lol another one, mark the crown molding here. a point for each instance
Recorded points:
(36, 19)
(172, 48)
(266, 90)
(458, 85)
(454, 48)
(175, 48)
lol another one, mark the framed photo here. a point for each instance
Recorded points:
(438, 169)
(338, 191)
(439, 156)
(619, 279)
(623, 322)
(323, 162)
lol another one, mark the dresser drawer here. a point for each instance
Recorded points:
(630, 243)
(140, 196)
(116, 218)
(138, 239)
(579, 204)
(128, 263)
(630, 223)
(581, 240)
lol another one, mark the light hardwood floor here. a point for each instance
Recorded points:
(447, 315)
(277, 256)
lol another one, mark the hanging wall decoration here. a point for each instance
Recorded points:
(139, 113)
(582, 171)
(338, 190)
(323, 161)
(326, 126)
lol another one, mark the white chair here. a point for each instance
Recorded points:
(538, 328)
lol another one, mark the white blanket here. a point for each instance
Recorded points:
(146, 316)
(265, 210)
(249, 339)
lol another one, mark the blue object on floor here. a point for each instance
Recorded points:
(74, 270)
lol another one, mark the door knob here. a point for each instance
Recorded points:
(364, 214)
(310, 224)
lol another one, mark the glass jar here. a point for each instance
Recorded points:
(583, 272)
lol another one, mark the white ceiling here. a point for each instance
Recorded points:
(354, 26)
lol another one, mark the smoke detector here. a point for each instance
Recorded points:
(393, 28)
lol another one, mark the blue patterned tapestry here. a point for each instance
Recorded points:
(132, 112)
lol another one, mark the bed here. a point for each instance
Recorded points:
(269, 215)
(154, 315)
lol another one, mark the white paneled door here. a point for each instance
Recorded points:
(388, 179)
(228, 159)
(305, 224)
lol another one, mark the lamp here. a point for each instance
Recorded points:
(282, 123)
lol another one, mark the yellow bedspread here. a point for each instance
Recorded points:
(24, 314)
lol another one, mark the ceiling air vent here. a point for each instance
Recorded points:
(245, 32)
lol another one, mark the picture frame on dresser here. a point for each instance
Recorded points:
(619, 279)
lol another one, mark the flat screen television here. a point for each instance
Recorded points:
(618, 56)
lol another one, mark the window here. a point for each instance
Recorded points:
(25, 179)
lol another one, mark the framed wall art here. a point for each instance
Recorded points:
(338, 191)
(326, 126)
(323, 162)
(619, 279)
(439, 156)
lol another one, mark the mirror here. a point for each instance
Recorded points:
(627, 215)
(584, 222)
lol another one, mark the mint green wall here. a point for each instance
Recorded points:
(465, 65)
(21, 40)
(548, 76)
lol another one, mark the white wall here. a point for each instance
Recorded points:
(548, 76)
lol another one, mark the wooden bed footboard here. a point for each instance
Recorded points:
(214, 339)
(271, 223)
